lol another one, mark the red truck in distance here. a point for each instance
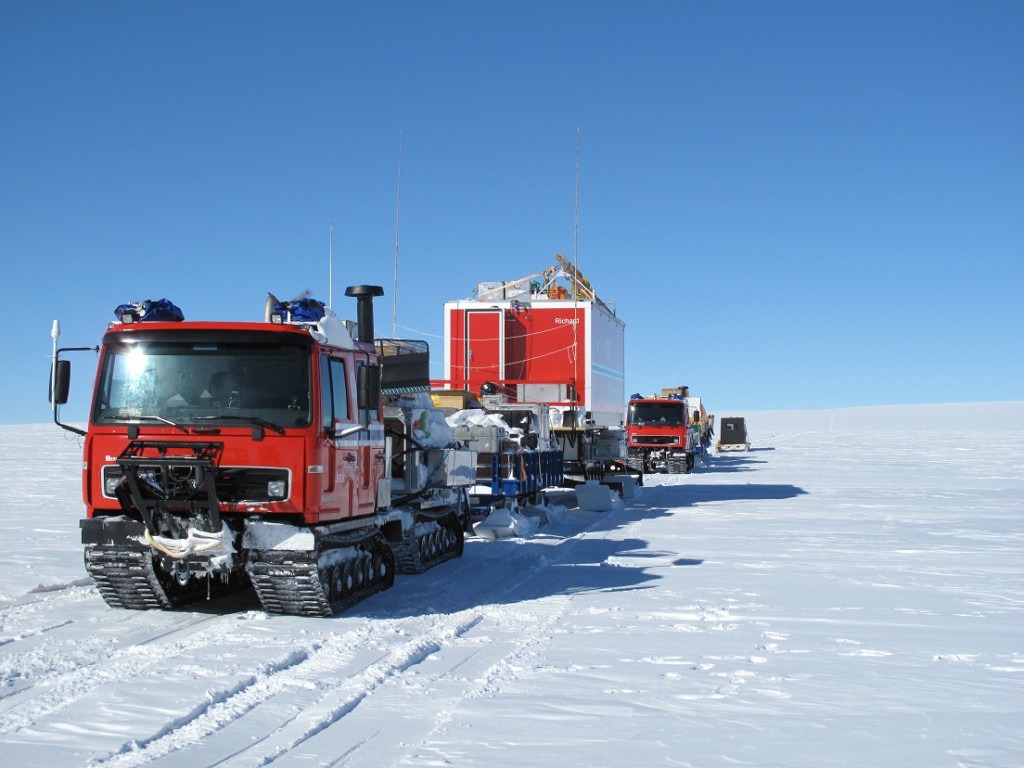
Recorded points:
(659, 435)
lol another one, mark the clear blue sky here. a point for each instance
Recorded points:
(792, 204)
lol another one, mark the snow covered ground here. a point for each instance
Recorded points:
(849, 593)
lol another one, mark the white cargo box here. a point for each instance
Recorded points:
(479, 438)
(610, 444)
(459, 466)
(491, 290)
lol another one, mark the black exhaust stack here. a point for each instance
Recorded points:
(364, 308)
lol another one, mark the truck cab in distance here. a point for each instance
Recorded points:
(659, 435)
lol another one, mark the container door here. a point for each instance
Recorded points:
(485, 345)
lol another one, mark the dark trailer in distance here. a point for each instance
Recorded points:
(732, 434)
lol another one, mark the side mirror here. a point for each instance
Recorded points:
(347, 432)
(368, 387)
(60, 382)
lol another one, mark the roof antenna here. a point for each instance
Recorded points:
(575, 268)
(55, 335)
(330, 271)
(576, 227)
(398, 218)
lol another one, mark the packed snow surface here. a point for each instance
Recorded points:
(848, 593)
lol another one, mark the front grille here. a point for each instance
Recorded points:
(234, 484)
(654, 440)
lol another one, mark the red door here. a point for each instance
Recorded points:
(484, 347)
(341, 472)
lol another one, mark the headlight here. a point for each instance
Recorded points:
(276, 489)
(110, 484)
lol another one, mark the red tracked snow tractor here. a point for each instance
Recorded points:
(659, 435)
(667, 433)
(297, 454)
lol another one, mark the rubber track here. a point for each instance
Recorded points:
(413, 555)
(290, 582)
(126, 578)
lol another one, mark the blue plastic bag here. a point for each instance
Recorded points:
(302, 310)
(161, 310)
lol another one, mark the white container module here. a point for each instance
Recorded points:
(592, 496)
(557, 351)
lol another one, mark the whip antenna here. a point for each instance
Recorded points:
(398, 219)
(576, 271)
(576, 221)
(55, 335)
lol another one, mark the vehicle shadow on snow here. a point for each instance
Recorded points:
(510, 571)
(689, 495)
(731, 464)
(517, 570)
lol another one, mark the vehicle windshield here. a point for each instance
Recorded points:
(656, 415)
(204, 383)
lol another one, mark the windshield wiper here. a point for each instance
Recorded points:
(165, 421)
(254, 420)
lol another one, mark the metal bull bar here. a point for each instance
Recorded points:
(172, 485)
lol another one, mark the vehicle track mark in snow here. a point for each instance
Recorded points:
(49, 592)
(328, 692)
(220, 708)
(35, 601)
(305, 671)
(336, 704)
(521, 632)
(34, 632)
(532, 631)
(516, 623)
(57, 674)
(292, 658)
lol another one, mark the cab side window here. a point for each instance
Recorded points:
(334, 384)
(367, 415)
